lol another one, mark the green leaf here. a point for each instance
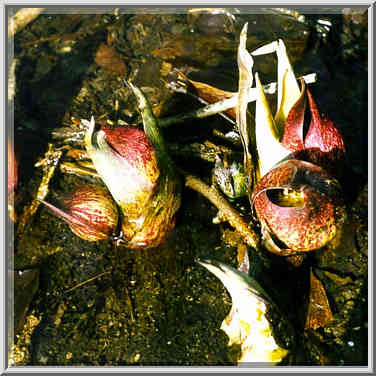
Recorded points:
(288, 88)
(269, 148)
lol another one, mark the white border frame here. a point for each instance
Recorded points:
(209, 369)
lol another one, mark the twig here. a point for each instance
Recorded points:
(224, 105)
(232, 216)
(206, 151)
(87, 281)
(128, 302)
(209, 110)
(48, 164)
(23, 17)
(77, 169)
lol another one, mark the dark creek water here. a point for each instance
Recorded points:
(80, 303)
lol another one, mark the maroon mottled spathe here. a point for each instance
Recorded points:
(130, 142)
(322, 145)
(302, 227)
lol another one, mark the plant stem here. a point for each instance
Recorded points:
(249, 236)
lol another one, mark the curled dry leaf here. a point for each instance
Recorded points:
(210, 93)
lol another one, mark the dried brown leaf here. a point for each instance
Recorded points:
(210, 93)
(319, 313)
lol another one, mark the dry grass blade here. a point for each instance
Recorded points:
(87, 281)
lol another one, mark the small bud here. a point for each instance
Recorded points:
(91, 213)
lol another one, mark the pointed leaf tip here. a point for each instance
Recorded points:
(324, 143)
(322, 132)
(245, 29)
(292, 137)
(268, 146)
(288, 88)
